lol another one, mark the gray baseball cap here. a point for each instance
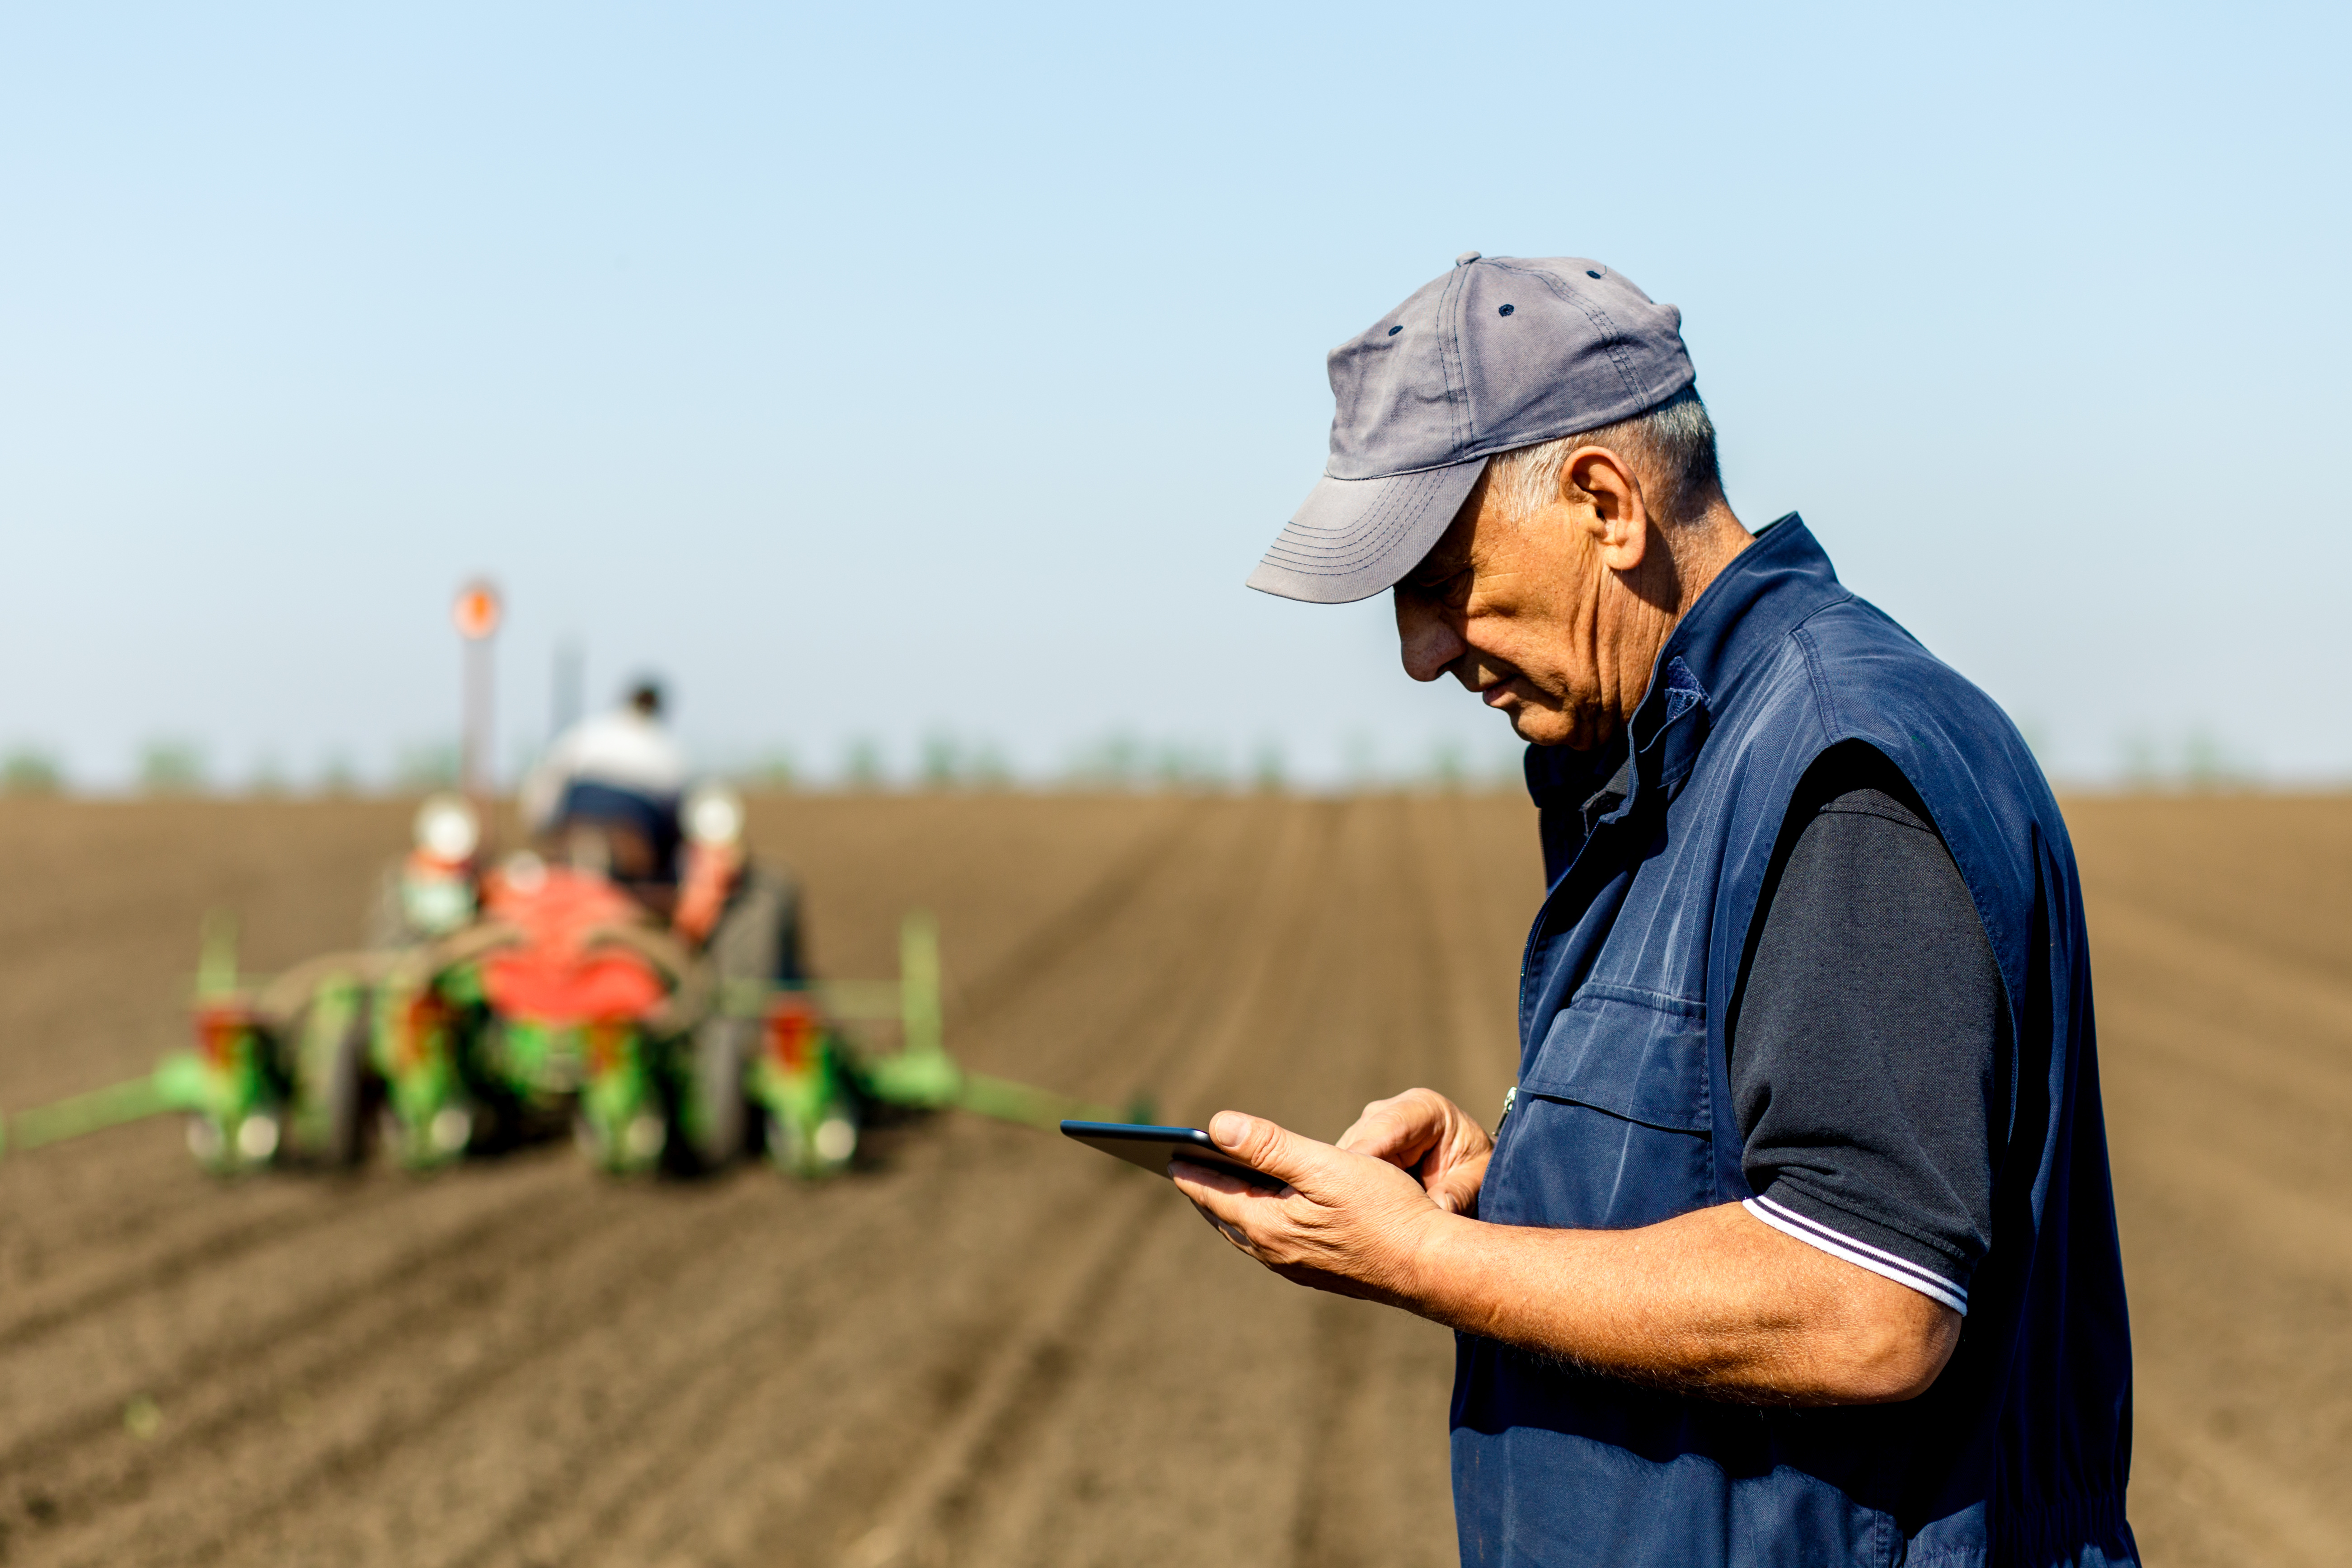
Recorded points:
(1499, 353)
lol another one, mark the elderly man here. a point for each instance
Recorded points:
(1794, 1243)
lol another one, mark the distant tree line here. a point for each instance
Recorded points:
(940, 761)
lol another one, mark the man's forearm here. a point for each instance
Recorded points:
(1712, 1302)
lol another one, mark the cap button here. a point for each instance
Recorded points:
(1466, 258)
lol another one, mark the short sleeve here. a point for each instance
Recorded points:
(1867, 1036)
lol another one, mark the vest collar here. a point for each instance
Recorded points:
(1754, 602)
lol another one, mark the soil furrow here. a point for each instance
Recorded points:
(1010, 1346)
(1070, 928)
(524, 1322)
(286, 1321)
(756, 1341)
(88, 1467)
(39, 1311)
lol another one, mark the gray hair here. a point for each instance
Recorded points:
(1672, 447)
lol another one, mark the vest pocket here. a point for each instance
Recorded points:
(1611, 1128)
(1632, 1053)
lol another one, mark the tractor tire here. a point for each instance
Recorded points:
(323, 1057)
(718, 1116)
(342, 1099)
(758, 937)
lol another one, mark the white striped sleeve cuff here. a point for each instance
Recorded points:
(1861, 1254)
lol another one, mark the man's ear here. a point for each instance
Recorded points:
(1613, 512)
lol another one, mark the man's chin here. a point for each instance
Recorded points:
(1543, 727)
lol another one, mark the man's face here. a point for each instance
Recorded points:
(1509, 608)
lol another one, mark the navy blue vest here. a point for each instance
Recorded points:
(1624, 1117)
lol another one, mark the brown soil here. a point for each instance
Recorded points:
(988, 1346)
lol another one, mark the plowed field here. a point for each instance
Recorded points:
(988, 1347)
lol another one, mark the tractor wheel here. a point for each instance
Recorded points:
(759, 936)
(326, 1061)
(343, 1096)
(716, 1114)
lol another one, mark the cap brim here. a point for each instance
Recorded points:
(1355, 538)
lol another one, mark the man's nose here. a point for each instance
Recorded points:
(1427, 640)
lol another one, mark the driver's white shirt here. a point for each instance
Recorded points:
(623, 748)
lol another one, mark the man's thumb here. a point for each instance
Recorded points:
(1254, 1141)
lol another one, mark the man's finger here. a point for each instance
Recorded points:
(1453, 1195)
(1401, 1129)
(1224, 1200)
(1225, 1228)
(1215, 1192)
(1456, 1192)
(1188, 1174)
(1385, 1133)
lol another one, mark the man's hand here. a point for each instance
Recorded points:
(1712, 1302)
(1423, 1131)
(1349, 1222)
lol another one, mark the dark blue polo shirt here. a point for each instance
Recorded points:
(1627, 1113)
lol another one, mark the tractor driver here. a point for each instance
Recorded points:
(604, 798)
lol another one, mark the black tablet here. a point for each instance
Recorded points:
(1153, 1147)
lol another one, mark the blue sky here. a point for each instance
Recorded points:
(894, 371)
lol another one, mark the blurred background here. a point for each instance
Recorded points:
(914, 387)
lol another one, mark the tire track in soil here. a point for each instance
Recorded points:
(921, 1519)
(232, 1388)
(951, 1514)
(1165, 995)
(1017, 1386)
(804, 1479)
(660, 1374)
(411, 1267)
(110, 1223)
(1046, 1242)
(121, 1280)
(1400, 1005)
(1383, 1021)
(1055, 940)
(857, 1257)
(926, 1517)
(538, 1328)
(1423, 1013)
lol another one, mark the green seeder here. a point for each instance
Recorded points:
(289, 1070)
